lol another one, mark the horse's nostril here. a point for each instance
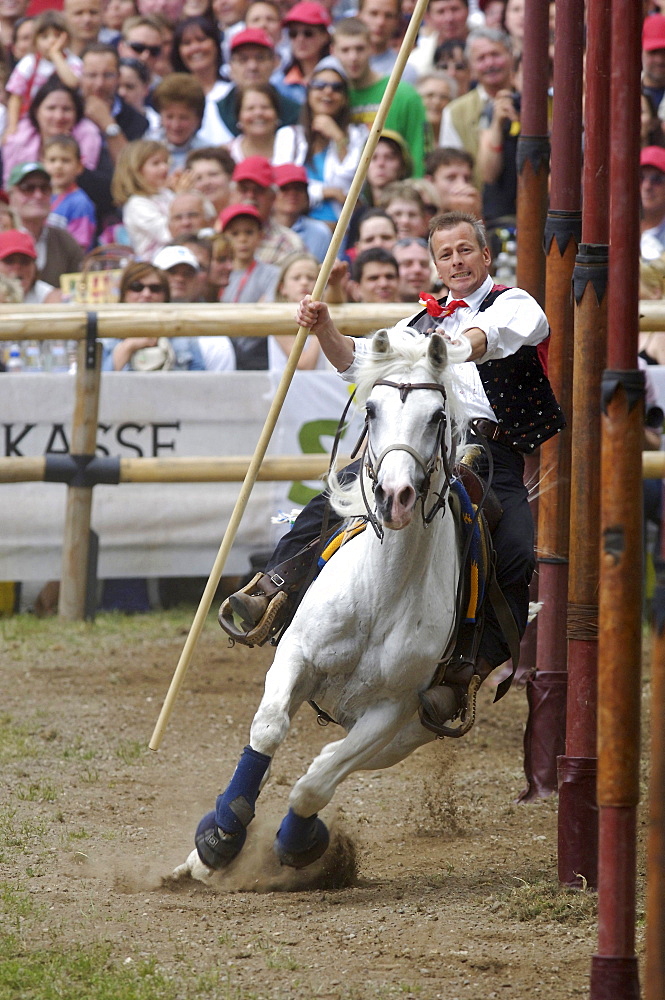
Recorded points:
(406, 497)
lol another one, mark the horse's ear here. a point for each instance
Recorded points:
(437, 352)
(381, 342)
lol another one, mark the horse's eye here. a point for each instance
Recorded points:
(370, 410)
(437, 417)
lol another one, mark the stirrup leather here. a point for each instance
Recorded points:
(269, 624)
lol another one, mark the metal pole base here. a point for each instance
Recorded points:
(578, 822)
(614, 978)
(545, 733)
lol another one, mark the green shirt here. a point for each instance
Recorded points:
(406, 115)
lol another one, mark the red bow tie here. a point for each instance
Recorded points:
(434, 308)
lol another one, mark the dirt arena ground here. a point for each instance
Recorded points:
(437, 885)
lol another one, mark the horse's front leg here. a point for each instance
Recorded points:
(302, 836)
(221, 833)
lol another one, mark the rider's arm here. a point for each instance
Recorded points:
(315, 316)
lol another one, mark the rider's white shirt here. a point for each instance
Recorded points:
(513, 320)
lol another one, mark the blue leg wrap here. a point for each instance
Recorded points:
(234, 810)
(301, 840)
(217, 849)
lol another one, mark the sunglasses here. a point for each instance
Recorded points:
(140, 48)
(305, 32)
(337, 88)
(459, 66)
(138, 286)
(32, 187)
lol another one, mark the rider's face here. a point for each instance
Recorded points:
(460, 262)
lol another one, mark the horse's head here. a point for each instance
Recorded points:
(409, 430)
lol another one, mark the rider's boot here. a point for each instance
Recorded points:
(454, 697)
(259, 610)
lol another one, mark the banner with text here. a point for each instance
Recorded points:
(160, 529)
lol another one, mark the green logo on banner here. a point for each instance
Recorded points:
(309, 438)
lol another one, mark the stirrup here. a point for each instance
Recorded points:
(269, 624)
(466, 695)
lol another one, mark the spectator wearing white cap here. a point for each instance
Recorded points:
(182, 271)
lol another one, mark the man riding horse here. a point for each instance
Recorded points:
(511, 404)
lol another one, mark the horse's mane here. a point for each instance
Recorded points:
(407, 361)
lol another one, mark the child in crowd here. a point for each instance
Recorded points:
(71, 208)
(23, 39)
(34, 69)
(251, 280)
(406, 208)
(180, 101)
(139, 187)
(114, 14)
(297, 277)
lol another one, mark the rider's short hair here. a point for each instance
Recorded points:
(448, 220)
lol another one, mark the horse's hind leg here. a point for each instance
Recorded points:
(409, 738)
(303, 837)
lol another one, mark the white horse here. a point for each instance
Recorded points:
(369, 632)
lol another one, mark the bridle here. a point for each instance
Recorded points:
(372, 463)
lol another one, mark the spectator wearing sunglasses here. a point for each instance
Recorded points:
(141, 39)
(143, 283)
(332, 144)
(307, 26)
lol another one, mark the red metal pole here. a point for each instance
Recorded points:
(654, 974)
(577, 768)
(614, 971)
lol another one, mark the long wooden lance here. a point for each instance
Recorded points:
(287, 377)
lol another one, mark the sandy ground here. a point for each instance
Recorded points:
(437, 884)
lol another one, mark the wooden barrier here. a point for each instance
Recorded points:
(186, 319)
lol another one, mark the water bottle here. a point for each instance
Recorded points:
(59, 360)
(15, 362)
(33, 357)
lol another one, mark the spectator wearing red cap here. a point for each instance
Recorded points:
(307, 24)
(653, 58)
(292, 207)
(254, 183)
(253, 60)
(18, 260)
(652, 199)
(251, 279)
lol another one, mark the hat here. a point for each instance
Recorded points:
(255, 168)
(398, 140)
(653, 156)
(232, 212)
(14, 241)
(308, 12)
(252, 36)
(169, 257)
(21, 170)
(653, 32)
(333, 63)
(290, 173)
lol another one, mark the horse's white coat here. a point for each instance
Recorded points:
(368, 634)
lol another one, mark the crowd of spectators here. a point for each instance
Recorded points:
(217, 141)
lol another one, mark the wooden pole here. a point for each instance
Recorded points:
(654, 974)
(533, 153)
(614, 970)
(578, 809)
(76, 541)
(301, 337)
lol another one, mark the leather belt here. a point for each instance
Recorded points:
(492, 431)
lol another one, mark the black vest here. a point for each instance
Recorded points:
(517, 388)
